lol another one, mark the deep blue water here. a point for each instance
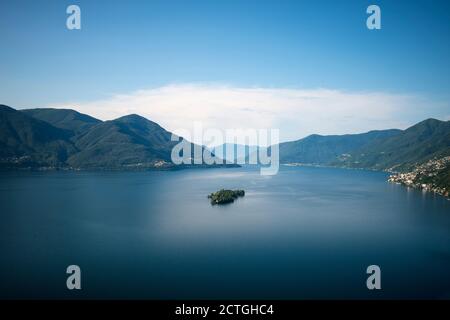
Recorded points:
(304, 233)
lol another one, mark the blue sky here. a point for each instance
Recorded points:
(125, 46)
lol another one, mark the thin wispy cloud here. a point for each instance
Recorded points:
(296, 112)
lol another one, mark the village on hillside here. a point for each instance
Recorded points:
(433, 175)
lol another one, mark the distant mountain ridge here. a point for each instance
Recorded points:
(66, 138)
(392, 150)
(235, 153)
(66, 119)
(317, 149)
(127, 141)
(429, 139)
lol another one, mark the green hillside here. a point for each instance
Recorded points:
(317, 149)
(66, 119)
(426, 140)
(26, 141)
(62, 138)
(128, 141)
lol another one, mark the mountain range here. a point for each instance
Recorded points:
(64, 138)
(391, 150)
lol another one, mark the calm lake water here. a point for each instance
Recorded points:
(304, 233)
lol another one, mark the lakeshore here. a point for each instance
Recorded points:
(431, 176)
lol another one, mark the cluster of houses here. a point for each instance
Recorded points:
(425, 176)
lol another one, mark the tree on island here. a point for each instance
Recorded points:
(225, 196)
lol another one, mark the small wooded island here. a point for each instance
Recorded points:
(225, 196)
